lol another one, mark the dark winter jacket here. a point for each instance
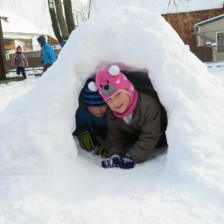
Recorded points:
(48, 54)
(19, 60)
(145, 126)
(97, 127)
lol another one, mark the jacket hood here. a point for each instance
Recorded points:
(42, 40)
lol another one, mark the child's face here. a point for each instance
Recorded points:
(119, 102)
(97, 111)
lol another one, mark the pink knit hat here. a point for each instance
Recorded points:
(19, 47)
(109, 81)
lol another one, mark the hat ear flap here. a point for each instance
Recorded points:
(114, 70)
(92, 86)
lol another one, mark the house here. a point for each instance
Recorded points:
(18, 31)
(184, 23)
(210, 32)
(181, 15)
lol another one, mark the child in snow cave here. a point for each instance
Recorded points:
(91, 121)
(133, 116)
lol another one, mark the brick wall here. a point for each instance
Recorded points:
(183, 23)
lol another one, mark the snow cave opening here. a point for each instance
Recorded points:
(143, 84)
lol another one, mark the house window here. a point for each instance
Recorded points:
(220, 41)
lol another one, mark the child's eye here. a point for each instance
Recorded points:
(117, 95)
(108, 99)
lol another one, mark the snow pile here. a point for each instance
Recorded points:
(14, 90)
(54, 185)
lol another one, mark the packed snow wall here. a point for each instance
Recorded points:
(42, 121)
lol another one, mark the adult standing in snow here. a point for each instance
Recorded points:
(19, 60)
(132, 116)
(91, 121)
(48, 55)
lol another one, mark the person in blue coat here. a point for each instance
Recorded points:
(64, 41)
(48, 53)
(91, 121)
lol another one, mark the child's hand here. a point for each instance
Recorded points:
(127, 163)
(86, 141)
(116, 161)
(102, 150)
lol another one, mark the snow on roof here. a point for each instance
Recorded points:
(209, 20)
(17, 24)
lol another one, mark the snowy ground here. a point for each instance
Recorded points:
(13, 90)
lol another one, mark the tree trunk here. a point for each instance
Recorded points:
(3, 69)
(89, 9)
(54, 20)
(69, 15)
(61, 19)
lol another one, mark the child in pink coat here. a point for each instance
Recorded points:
(19, 61)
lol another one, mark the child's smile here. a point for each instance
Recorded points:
(119, 102)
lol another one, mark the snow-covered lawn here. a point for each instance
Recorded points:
(13, 90)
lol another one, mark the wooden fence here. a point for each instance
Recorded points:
(34, 59)
(203, 53)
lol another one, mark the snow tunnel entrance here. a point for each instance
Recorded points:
(142, 83)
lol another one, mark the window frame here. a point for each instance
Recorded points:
(220, 47)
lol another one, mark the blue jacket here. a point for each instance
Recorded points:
(64, 41)
(48, 54)
(97, 127)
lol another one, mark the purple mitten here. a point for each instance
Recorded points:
(127, 163)
(114, 161)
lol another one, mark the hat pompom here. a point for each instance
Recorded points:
(114, 70)
(92, 86)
